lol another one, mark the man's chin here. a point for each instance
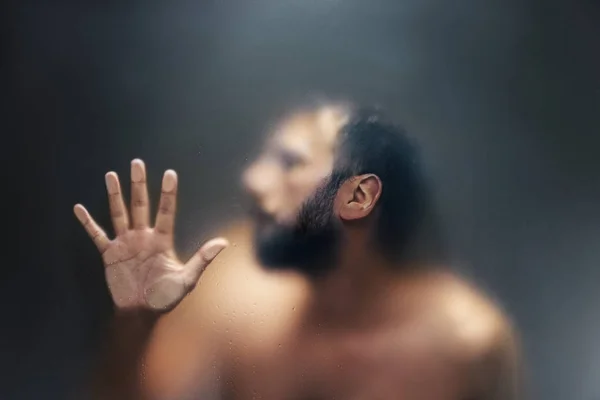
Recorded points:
(271, 244)
(279, 249)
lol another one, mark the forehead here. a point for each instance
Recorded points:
(307, 132)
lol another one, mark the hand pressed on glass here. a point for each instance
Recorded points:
(142, 269)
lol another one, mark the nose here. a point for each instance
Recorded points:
(259, 180)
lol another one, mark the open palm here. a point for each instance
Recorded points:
(142, 270)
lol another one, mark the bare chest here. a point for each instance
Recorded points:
(346, 367)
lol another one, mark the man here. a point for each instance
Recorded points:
(325, 302)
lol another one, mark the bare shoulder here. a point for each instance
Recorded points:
(235, 287)
(234, 300)
(477, 321)
(483, 338)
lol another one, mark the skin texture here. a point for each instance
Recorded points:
(368, 330)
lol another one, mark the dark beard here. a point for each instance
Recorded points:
(308, 246)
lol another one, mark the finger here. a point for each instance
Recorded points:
(96, 233)
(165, 219)
(140, 209)
(118, 212)
(203, 257)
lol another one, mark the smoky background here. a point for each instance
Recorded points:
(504, 97)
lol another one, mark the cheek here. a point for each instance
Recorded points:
(302, 184)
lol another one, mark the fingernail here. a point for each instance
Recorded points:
(79, 213)
(111, 182)
(137, 170)
(213, 251)
(169, 181)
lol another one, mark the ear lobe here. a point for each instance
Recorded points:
(352, 210)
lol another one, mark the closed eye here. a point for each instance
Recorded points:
(290, 160)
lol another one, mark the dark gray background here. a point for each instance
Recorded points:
(504, 96)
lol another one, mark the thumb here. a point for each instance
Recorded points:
(204, 256)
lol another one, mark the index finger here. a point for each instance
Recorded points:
(92, 228)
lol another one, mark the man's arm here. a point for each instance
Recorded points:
(177, 355)
(145, 356)
(117, 374)
(147, 283)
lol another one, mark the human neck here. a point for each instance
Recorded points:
(357, 286)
